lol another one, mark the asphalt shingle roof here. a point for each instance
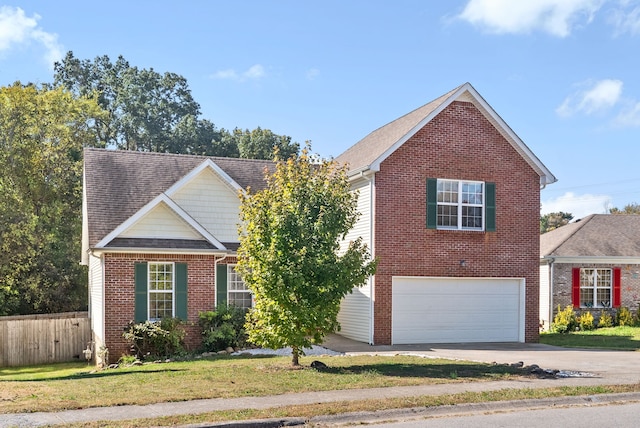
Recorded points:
(118, 183)
(598, 235)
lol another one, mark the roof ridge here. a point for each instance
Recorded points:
(581, 223)
(165, 154)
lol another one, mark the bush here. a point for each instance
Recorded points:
(223, 328)
(636, 319)
(156, 339)
(564, 321)
(624, 317)
(605, 320)
(585, 321)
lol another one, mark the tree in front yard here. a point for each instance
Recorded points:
(290, 255)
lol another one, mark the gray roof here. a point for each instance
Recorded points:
(366, 151)
(598, 235)
(118, 183)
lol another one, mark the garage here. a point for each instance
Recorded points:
(457, 310)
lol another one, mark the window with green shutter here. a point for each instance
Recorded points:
(461, 205)
(160, 290)
(221, 285)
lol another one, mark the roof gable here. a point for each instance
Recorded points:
(118, 183)
(598, 235)
(372, 150)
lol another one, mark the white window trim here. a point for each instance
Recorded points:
(230, 269)
(595, 303)
(460, 204)
(172, 291)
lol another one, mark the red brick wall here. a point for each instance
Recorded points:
(120, 294)
(461, 144)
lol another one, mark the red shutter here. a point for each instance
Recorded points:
(575, 287)
(617, 280)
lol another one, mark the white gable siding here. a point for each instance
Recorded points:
(96, 300)
(212, 203)
(161, 222)
(355, 309)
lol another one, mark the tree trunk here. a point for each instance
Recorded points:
(294, 356)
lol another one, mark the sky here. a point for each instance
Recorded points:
(563, 74)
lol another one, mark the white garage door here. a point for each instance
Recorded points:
(457, 310)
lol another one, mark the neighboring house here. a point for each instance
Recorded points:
(449, 198)
(592, 264)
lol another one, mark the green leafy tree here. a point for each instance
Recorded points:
(632, 208)
(42, 133)
(552, 221)
(290, 254)
(148, 111)
(263, 143)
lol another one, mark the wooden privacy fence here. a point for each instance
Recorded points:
(40, 339)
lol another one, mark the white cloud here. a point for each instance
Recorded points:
(626, 20)
(16, 29)
(592, 98)
(629, 116)
(556, 17)
(312, 73)
(579, 206)
(254, 72)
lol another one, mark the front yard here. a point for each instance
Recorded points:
(622, 338)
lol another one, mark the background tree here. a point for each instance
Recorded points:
(149, 111)
(632, 208)
(554, 220)
(289, 253)
(42, 133)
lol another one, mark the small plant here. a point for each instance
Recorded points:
(156, 339)
(636, 318)
(223, 328)
(605, 320)
(624, 317)
(585, 321)
(127, 360)
(564, 321)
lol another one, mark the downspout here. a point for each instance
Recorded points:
(551, 261)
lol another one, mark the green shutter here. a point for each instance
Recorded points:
(140, 280)
(432, 203)
(181, 291)
(490, 207)
(221, 285)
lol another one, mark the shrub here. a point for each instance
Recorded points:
(605, 320)
(223, 328)
(564, 321)
(624, 317)
(585, 321)
(636, 319)
(156, 339)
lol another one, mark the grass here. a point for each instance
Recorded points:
(619, 338)
(74, 386)
(311, 410)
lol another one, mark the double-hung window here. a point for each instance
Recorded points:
(161, 290)
(596, 287)
(460, 204)
(238, 294)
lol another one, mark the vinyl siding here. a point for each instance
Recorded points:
(355, 310)
(545, 289)
(162, 223)
(96, 300)
(212, 203)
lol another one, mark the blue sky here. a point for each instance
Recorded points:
(562, 73)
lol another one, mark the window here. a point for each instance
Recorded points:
(460, 205)
(161, 290)
(237, 292)
(595, 288)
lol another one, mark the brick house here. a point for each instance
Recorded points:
(592, 264)
(449, 198)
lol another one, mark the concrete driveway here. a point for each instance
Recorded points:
(611, 366)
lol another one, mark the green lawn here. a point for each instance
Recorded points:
(72, 386)
(621, 338)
